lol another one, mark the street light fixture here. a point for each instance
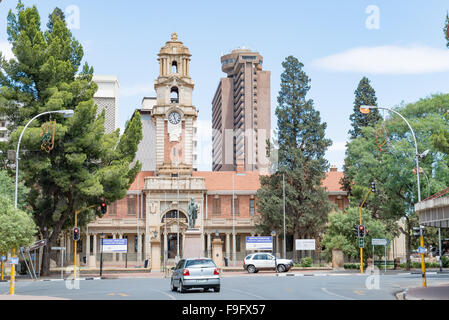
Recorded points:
(66, 113)
(366, 110)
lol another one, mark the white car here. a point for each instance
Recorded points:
(265, 261)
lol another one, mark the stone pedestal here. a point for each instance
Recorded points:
(92, 262)
(217, 252)
(338, 261)
(155, 255)
(192, 244)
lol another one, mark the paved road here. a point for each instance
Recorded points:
(235, 287)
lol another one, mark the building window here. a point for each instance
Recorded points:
(251, 206)
(112, 210)
(236, 206)
(174, 95)
(174, 67)
(216, 206)
(131, 205)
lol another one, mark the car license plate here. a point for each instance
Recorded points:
(202, 281)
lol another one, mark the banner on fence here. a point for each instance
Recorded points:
(305, 244)
(259, 243)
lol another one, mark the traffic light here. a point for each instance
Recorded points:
(373, 187)
(416, 231)
(366, 232)
(356, 230)
(361, 231)
(104, 208)
(76, 234)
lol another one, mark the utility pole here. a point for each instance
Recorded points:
(285, 240)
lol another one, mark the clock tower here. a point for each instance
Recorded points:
(174, 115)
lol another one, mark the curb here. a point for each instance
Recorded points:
(317, 274)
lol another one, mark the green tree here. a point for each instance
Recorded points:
(7, 189)
(302, 146)
(340, 233)
(393, 167)
(86, 165)
(365, 95)
(17, 228)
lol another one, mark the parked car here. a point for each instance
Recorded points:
(265, 261)
(195, 273)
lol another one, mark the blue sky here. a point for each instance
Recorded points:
(398, 45)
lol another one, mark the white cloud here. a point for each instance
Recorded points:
(387, 60)
(145, 89)
(6, 50)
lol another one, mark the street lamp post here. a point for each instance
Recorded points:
(101, 253)
(66, 113)
(366, 110)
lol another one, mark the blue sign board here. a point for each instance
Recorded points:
(114, 245)
(259, 243)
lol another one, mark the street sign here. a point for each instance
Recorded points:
(361, 243)
(114, 245)
(14, 260)
(305, 244)
(57, 248)
(380, 242)
(422, 250)
(259, 243)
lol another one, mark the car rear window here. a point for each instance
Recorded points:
(200, 263)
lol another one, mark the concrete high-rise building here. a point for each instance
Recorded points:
(241, 114)
(106, 99)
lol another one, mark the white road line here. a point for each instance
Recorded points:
(167, 294)
(336, 295)
(249, 293)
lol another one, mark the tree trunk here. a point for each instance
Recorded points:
(408, 244)
(295, 236)
(45, 269)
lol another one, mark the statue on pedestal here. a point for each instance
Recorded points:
(193, 213)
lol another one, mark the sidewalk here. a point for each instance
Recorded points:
(440, 292)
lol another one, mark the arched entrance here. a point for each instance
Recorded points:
(173, 227)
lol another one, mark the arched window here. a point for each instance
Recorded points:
(174, 95)
(174, 67)
(173, 215)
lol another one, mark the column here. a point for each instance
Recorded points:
(183, 237)
(228, 246)
(234, 247)
(202, 245)
(165, 246)
(94, 246)
(114, 255)
(139, 248)
(87, 248)
(147, 246)
(120, 255)
(209, 251)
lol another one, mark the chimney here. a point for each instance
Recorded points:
(333, 168)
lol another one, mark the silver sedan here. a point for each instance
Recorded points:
(195, 273)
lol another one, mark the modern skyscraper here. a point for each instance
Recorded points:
(106, 99)
(241, 114)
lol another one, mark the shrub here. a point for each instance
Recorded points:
(445, 261)
(306, 262)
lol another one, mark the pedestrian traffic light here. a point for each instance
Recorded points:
(76, 234)
(356, 230)
(366, 232)
(373, 187)
(361, 231)
(104, 208)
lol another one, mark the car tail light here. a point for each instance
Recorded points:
(216, 272)
(186, 272)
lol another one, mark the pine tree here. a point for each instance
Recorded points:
(364, 95)
(86, 165)
(446, 30)
(302, 147)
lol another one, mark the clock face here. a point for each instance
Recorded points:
(174, 118)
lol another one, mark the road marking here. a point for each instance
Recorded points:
(123, 294)
(165, 293)
(360, 293)
(336, 295)
(249, 293)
